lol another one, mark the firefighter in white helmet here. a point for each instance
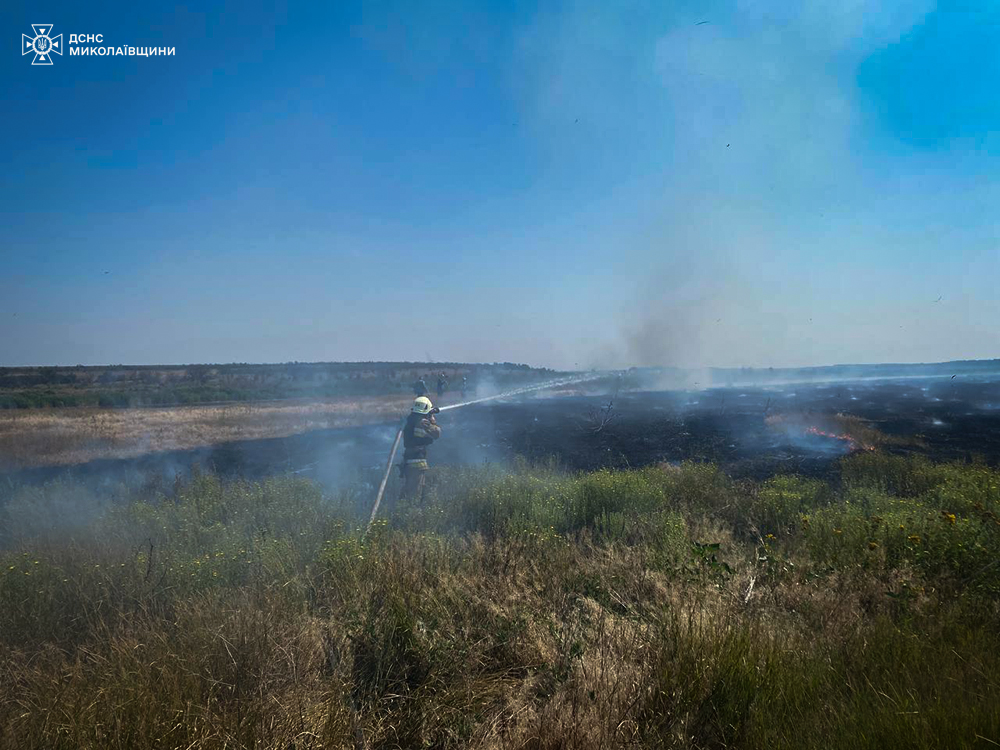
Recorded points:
(420, 431)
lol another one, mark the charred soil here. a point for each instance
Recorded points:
(750, 432)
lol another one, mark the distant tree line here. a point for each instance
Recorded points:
(163, 385)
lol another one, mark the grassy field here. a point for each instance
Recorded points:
(120, 386)
(527, 608)
(56, 437)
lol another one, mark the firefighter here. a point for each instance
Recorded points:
(419, 432)
(465, 385)
(442, 385)
(420, 388)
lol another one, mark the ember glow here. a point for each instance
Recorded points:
(853, 444)
(840, 427)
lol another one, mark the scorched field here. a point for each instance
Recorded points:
(804, 565)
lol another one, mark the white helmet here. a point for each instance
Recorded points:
(422, 405)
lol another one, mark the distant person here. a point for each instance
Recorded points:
(465, 385)
(420, 388)
(420, 431)
(442, 385)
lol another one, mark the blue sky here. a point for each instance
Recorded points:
(565, 184)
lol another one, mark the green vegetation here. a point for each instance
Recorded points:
(130, 386)
(663, 607)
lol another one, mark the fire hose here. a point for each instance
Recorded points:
(508, 394)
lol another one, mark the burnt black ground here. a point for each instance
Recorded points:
(950, 418)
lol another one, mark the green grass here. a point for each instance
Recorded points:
(514, 608)
(125, 386)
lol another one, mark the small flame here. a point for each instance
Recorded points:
(853, 444)
(799, 425)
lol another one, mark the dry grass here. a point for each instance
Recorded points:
(859, 432)
(48, 437)
(526, 609)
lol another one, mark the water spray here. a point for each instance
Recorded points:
(526, 389)
(507, 394)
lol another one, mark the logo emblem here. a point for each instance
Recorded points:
(42, 45)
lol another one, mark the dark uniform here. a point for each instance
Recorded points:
(419, 432)
(442, 385)
(420, 388)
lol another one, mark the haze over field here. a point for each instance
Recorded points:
(493, 375)
(584, 184)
